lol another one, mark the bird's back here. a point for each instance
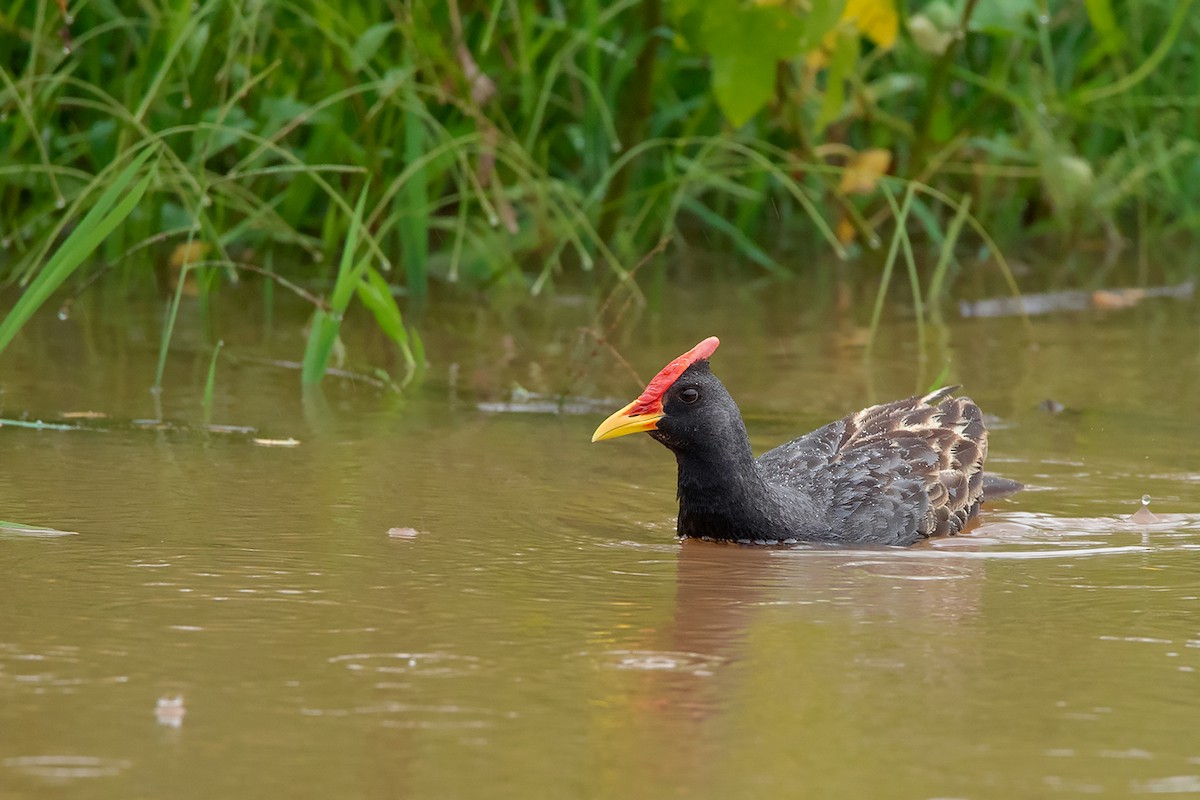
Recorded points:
(889, 474)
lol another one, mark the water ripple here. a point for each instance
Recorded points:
(657, 661)
(433, 665)
(66, 767)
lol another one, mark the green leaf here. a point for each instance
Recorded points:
(745, 44)
(841, 67)
(323, 333)
(368, 44)
(376, 295)
(1104, 21)
(1004, 16)
(820, 20)
(322, 336)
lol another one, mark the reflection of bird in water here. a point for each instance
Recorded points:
(889, 474)
(771, 644)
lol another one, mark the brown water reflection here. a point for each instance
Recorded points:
(427, 599)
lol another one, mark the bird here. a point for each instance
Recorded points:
(890, 474)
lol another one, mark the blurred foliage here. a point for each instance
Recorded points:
(497, 143)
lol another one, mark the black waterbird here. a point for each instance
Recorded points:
(890, 474)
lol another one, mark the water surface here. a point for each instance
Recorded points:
(452, 593)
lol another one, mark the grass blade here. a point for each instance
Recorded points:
(323, 335)
(109, 211)
(210, 382)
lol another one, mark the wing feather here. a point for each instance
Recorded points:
(895, 472)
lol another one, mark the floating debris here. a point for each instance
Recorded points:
(245, 430)
(170, 711)
(1053, 302)
(403, 533)
(38, 425)
(524, 402)
(289, 442)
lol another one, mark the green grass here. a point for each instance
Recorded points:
(371, 156)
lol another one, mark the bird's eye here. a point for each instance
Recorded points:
(689, 395)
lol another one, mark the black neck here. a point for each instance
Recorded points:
(726, 499)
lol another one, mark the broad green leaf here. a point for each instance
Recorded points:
(745, 44)
(820, 20)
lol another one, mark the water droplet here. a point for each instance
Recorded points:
(187, 101)
(66, 49)
(318, 257)
(385, 265)
(1145, 499)
(1043, 19)
(63, 316)
(206, 201)
(69, 19)
(60, 203)
(493, 220)
(875, 243)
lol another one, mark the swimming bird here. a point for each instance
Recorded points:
(890, 474)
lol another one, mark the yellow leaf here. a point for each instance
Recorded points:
(845, 230)
(864, 171)
(188, 253)
(877, 19)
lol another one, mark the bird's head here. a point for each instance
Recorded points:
(684, 406)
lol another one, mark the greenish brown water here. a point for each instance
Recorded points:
(532, 629)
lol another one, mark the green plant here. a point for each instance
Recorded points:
(495, 146)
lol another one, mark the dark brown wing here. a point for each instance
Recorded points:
(890, 473)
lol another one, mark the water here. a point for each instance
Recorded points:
(425, 599)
